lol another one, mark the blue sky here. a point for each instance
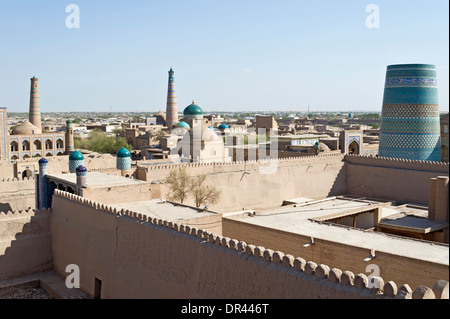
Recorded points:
(233, 55)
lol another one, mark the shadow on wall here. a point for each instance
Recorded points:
(25, 243)
(5, 207)
(339, 186)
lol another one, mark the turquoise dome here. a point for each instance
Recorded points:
(192, 110)
(76, 156)
(223, 126)
(183, 124)
(123, 152)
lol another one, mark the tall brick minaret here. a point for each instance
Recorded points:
(172, 110)
(35, 106)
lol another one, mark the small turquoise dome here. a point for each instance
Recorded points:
(212, 128)
(123, 152)
(183, 124)
(76, 156)
(193, 111)
(223, 126)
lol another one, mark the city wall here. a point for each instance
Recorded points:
(394, 268)
(404, 181)
(17, 194)
(25, 243)
(138, 257)
(262, 184)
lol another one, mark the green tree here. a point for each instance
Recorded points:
(100, 142)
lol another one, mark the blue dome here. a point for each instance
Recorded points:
(123, 152)
(43, 161)
(81, 168)
(76, 156)
(223, 126)
(210, 127)
(183, 124)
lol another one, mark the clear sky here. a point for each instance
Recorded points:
(232, 55)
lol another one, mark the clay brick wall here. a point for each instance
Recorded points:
(404, 181)
(25, 243)
(139, 257)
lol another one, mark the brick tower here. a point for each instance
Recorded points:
(35, 107)
(171, 111)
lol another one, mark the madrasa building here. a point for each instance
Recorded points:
(27, 140)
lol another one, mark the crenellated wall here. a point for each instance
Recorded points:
(139, 257)
(17, 194)
(404, 181)
(25, 243)
(263, 183)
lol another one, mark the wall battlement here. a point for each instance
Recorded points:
(15, 179)
(399, 163)
(330, 280)
(287, 160)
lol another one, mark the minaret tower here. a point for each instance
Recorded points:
(35, 106)
(171, 111)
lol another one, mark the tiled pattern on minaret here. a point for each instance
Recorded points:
(410, 127)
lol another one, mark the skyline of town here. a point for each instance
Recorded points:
(228, 57)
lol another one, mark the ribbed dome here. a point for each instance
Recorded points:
(123, 152)
(26, 128)
(76, 156)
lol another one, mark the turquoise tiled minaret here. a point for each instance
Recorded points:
(75, 159)
(410, 127)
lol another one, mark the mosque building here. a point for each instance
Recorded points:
(200, 143)
(27, 140)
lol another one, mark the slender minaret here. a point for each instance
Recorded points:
(69, 138)
(171, 111)
(35, 107)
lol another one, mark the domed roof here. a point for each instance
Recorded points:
(183, 124)
(43, 161)
(81, 168)
(223, 126)
(160, 113)
(193, 110)
(76, 156)
(123, 152)
(26, 128)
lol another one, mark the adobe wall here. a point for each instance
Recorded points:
(404, 181)
(138, 257)
(123, 193)
(25, 243)
(17, 194)
(262, 184)
(395, 268)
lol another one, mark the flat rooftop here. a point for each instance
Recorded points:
(300, 219)
(95, 180)
(164, 210)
